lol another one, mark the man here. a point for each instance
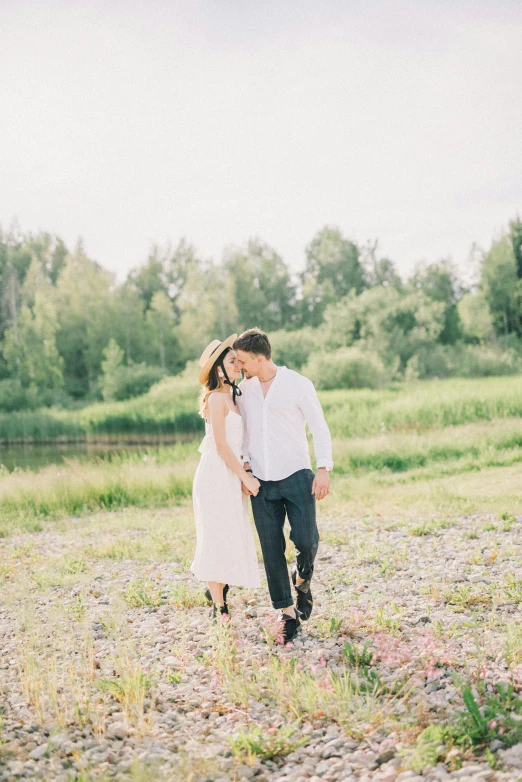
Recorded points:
(276, 405)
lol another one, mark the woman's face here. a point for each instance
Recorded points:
(231, 366)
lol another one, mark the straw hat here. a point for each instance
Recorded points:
(211, 354)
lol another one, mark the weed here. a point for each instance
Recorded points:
(174, 677)
(72, 565)
(130, 688)
(358, 658)
(465, 596)
(255, 742)
(513, 588)
(431, 527)
(141, 592)
(495, 719)
(427, 749)
(77, 608)
(184, 596)
(391, 621)
(512, 651)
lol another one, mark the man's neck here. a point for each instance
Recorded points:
(268, 371)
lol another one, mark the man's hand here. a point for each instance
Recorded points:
(321, 484)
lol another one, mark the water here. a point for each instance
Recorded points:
(34, 457)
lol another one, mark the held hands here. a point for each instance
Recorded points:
(251, 485)
(321, 484)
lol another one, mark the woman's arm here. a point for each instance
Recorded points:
(218, 410)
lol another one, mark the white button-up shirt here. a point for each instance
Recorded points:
(275, 426)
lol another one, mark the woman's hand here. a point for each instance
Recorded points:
(252, 484)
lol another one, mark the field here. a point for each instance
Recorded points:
(409, 668)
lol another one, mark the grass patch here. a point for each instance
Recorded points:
(142, 592)
(168, 410)
(254, 742)
(184, 596)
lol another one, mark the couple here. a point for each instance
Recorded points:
(255, 444)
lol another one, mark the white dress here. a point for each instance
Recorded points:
(225, 550)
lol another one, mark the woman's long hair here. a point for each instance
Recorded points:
(214, 383)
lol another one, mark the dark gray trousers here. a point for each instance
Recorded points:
(290, 497)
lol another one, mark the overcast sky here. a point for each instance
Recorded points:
(133, 122)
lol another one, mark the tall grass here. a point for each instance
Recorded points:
(420, 406)
(163, 477)
(79, 489)
(168, 411)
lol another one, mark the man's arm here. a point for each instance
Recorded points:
(313, 412)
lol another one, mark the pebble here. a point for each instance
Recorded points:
(196, 715)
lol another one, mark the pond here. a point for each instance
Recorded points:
(34, 457)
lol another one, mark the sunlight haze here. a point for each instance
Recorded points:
(130, 123)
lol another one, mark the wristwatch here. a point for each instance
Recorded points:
(328, 469)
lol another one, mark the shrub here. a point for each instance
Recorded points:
(346, 368)
(13, 396)
(135, 380)
(293, 348)
(463, 361)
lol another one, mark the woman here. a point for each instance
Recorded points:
(225, 551)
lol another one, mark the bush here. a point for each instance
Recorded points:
(13, 396)
(462, 360)
(293, 348)
(346, 368)
(133, 380)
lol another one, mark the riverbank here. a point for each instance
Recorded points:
(168, 412)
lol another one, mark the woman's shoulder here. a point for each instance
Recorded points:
(216, 399)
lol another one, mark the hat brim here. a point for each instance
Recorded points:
(205, 369)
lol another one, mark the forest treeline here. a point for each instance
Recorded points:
(70, 333)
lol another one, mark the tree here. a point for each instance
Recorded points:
(333, 268)
(515, 235)
(475, 317)
(260, 284)
(501, 288)
(149, 278)
(87, 309)
(378, 271)
(439, 281)
(207, 309)
(30, 349)
(394, 325)
(111, 366)
(161, 322)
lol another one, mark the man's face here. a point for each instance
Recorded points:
(248, 363)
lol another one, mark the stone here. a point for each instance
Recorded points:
(512, 756)
(39, 752)
(116, 730)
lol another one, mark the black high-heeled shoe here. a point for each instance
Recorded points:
(209, 596)
(221, 611)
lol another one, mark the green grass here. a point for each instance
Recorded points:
(433, 404)
(437, 435)
(168, 410)
(378, 469)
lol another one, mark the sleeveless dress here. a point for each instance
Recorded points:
(225, 550)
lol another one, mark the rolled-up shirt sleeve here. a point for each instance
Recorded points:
(313, 412)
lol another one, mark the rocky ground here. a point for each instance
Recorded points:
(111, 669)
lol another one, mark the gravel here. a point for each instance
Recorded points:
(375, 582)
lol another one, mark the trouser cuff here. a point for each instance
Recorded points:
(285, 603)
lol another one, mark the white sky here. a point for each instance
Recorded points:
(134, 122)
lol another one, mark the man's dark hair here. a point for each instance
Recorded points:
(254, 341)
